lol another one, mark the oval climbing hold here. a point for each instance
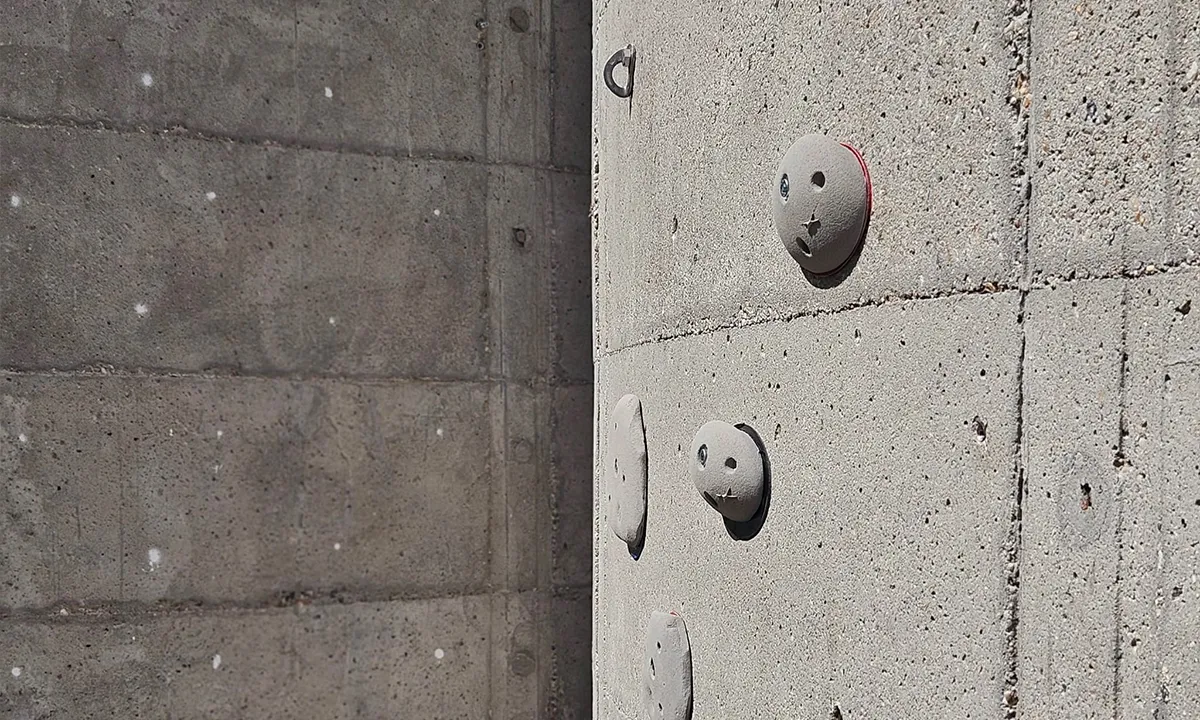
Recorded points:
(626, 471)
(667, 668)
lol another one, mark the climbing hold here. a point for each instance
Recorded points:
(727, 468)
(667, 668)
(626, 471)
(822, 202)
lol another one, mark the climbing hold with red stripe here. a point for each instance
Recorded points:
(822, 202)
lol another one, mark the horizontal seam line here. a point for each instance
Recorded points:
(268, 141)
(984, 288)
(110, 371)
(121, 611)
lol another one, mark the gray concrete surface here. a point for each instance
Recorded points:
(295, 371)
(982, 438)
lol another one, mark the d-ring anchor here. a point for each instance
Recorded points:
(625, 56)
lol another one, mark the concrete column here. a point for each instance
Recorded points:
(294, 376)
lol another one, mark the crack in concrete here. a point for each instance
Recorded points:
(185, 132)
(989, 287)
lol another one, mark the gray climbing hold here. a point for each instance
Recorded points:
(727, 469)
(626, 472)
(822, 201)
(667, 668)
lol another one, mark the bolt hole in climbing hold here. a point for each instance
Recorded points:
(784, 187)
(702, 455)
(731, 463)
(804, 248)
(818, 179)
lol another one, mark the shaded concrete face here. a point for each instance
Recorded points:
(295, 371)
(982, 437)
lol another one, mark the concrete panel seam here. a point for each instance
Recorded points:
(366, 380)
(984, 288)
(1019, 42)
(268, 141)
(67, 614)
(1119, 462)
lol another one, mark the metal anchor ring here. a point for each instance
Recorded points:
(625, 56)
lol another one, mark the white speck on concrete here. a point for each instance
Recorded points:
(441, 432)
(217, 661)
(1194, 71)
(220, 434)
(210, 196)
(328, 92)
(141, 309)
(439, 653)
(170, 432)
(16, 672)
(15, 201)
(333, 321)
(437, 212)
(147, 79)
(337, 546)
(63, 612)
(23, 438)
(155, 558)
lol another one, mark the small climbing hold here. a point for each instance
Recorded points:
(727, 469)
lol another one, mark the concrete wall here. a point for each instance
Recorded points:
(984, 437)
(295, 381)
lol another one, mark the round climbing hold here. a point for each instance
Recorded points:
(727, 469)
(822, 202)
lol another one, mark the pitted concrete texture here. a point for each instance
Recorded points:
(295, 371)
(1114, 134)
(981, 433)
(341, 659)
(686, 170)
(881, 557)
